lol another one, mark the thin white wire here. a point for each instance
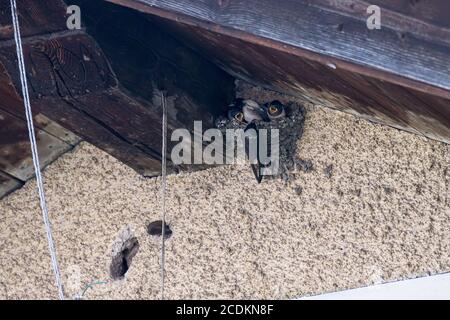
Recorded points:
(34, 151)
(163, 190)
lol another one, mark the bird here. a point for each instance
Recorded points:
(256, 167)
(275, 110)
(253, 111)
(246, 111)
(236, 114)
(249, 112)
(235, 110)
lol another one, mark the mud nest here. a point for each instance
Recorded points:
(290, 131)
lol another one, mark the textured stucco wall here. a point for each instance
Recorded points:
(383, 214)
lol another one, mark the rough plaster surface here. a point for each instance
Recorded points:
(381, 213)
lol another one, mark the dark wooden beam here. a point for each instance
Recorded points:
(147, 61)
(107, 90)
(325, 34)
(11, 102)
(424, 19)
(8, 184)
(323, 52)
(15, 150)
(36, 18)
(71, 82)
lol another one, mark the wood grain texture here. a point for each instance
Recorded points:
(148, 60)
(434, 12)
(324, 36)
(368, 97)
(15, 149)
(36, 18)
(108, 90)
(8, 184)
(233, 39)
(75, 119)
(425, 19)
(65, 73)
(11, 102)
(51, 127)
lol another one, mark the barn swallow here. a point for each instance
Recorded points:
(235, 111)
(236, 115)
(256, 167)
(246, 111)
(250, 112)
(275, 110)
(253, 111)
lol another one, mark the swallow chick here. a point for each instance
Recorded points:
(253, 111)
(235, 111)
(236, 115)
(275, 110)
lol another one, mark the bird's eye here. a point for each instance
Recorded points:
(273, 109)
(239, 116)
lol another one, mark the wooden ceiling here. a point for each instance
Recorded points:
(322, 51)
(104, 83)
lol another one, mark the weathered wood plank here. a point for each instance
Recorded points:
(148, 60)
(271, 43)
(8, 184)
(110, 96)
(36, 17)
(53, 140)
(64, 72)
(51, 127)
(433, 12)
(324, 36)
(11, 102)
(365, 96)
(428, 20)
(15, 150)
(99, 134)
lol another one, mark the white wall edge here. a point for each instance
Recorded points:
(436, 287)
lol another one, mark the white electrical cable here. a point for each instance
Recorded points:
(163, 189)
(34, 151)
